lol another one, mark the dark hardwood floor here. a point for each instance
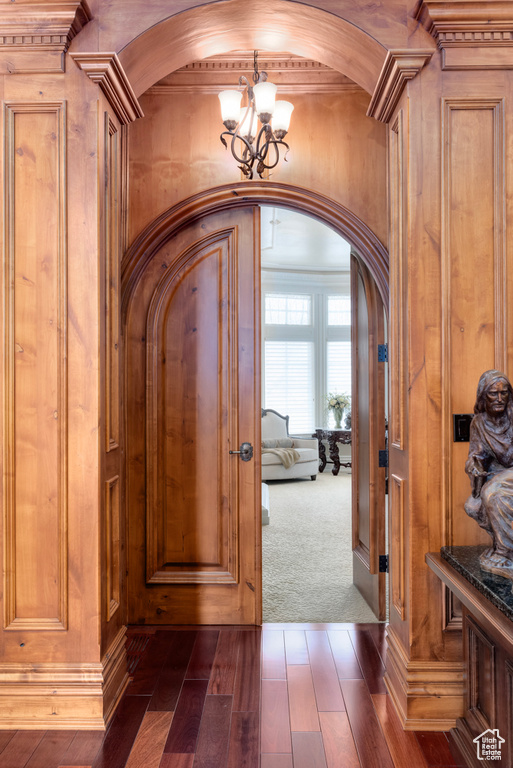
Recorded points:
(284, 696)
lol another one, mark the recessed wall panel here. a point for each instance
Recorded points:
(398, 255)
(35, 376)
(474, 275)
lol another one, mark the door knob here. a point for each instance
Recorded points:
(245, 451)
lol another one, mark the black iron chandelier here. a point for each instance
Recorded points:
(249, 144)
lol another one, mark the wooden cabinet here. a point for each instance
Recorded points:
(487, 625)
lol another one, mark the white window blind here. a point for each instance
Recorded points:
(288, 309)
(338, 370)
(339, 310)
(289, 382)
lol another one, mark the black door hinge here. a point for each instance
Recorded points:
(382, 353)
(383, 563)
(383, 458)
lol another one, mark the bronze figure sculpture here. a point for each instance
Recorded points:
(490, 469)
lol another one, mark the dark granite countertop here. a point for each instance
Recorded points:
(497, 589)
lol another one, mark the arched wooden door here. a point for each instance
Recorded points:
(368, 437)
(192, 366)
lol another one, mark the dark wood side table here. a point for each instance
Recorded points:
(333, 437)
(487, 624)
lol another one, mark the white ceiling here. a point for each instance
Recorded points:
(291, 240)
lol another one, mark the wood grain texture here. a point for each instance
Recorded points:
(35, 431)
(224, 667)
(344, 655)
(149, 668)
(435, 748)
(83, 749)
(214, 733)
(244, 749)
(368, 430)
(276, 761)
(308, 751)
(404, 747)
(149, 745)
(203, 654)
(275, 718)
(246, 695)
(176, 761)
(476, 214)
(190, 533)
(206, 732)
(367, 734)
(183, 734)
(20, 747)
(5, 737)
(338, 740)
(169, 685)
(273, 655)
(122, 733)
(295, 647)
(326, 685)
(302, 703)
(50, 749)
(370, 660)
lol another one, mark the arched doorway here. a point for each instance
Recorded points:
(198, 263)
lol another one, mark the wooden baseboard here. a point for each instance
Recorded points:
(428, 695)
(63, 696)
(115, 674)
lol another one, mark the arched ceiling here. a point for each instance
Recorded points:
(271, 25)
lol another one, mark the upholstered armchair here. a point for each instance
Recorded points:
(275, 434)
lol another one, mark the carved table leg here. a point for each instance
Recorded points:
(322, 455)
(334, 454)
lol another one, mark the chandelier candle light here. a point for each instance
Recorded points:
(241, 123)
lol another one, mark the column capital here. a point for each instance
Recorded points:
(106, 70)
(35, 37)
(472, 34)
(399, 67)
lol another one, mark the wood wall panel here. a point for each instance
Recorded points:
(35, 378)
(112, 288)
(112, 546)
(175, 152)
(397, 491)
(112, 206)
(399, 318)
(474, 311)
(398, 239)
(482, 672)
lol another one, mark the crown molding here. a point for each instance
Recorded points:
(467, 22)
(51, 26)
(399, 67)
(285, 88)
(35, 36)
(292, 74)
(243, 62)
(471, 34)
(106, 70)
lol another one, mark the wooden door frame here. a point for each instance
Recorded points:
(231, 196)
(242, 194)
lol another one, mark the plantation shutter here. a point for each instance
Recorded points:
(289, 382)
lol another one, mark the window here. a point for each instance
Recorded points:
(289, 385)
(339, 310)
(288, 309)
(306, 352)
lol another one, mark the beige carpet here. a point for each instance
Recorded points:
(307, 558)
